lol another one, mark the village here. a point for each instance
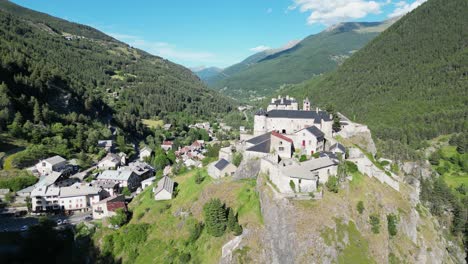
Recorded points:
(296, 148)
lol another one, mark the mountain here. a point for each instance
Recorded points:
(408, 84)
(64, 69)
(263, 73)
(206, 73)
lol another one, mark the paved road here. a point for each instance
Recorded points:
(13, 224)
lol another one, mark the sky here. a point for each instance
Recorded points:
(218, 33)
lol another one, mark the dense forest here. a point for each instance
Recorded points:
(62, 84)
(408, 84)
(263, 73)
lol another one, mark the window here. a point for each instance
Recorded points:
(281, 148)
(310, 142)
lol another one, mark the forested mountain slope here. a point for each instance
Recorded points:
(263, 73)
(64, 69)
(408, 84)
(206, 73)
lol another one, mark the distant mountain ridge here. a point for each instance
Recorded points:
(265, 72)
(410, 83)
(206, 72)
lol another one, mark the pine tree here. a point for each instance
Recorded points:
(233, 223)
(215, 217)
(37, 112)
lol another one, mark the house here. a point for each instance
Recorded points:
(145, 153)
(79, 197)
(147, 182)
(281, 145)
(338, 148)
(125, 178)
(55, 163)
(309, 140)
(108, 145)
(140, 168)
(164, 189)
(110, 161)
(26, 192)
(123, 158)
(166, 145)
(45, 198)
(226, 153)
(193, 163)
(108, 207)
(221, 168)
(167, 126)
(109, 188)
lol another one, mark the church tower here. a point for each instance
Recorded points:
(260, 122)
(306, 105)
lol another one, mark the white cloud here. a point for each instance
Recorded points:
(329, 12)
(164, 49)
(269, 10)
(260, 48)
(404, 7)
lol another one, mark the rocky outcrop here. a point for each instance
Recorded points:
(248, 169)
(357, 134)
(279, 237)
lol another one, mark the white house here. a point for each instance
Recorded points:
(55, 163)
(45, 198)
(106, 144)
(147, 182)
(79, 197)
(283, 103)
(221, 168)
(125, 178)
(145, 153)
(109, 188)
(164, 189)
(108, 207)
(310, 140)
(166, 145)
(110, 161)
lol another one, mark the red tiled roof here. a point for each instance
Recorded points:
(112, 206)
(276, 134)
(167, 143)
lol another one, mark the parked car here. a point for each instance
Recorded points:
(88, 218)
(65, 221)
(24, 228)
(59, 222)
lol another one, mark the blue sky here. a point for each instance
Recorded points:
(216, 32)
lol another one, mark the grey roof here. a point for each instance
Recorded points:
(152, 179)
(304, 170)
(123, 175)
(299, 114)
(221, 164)
(338, 146)
(49, 179)
(27, 189)
(55, 160)
(165, 183)
(105, 184)
(79, 189)
(316, 132)
(263, 147)
(259, 139)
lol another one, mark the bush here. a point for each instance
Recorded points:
(332, 184)
(233, 223)
(195, 232)
(126, 191)
(199, 177)
(16, 182)
(351, 167)
(237, 159)
(392, 224)
(292, 185)
(360, 207)
(375, 223)
(119, 219)
(303, 158)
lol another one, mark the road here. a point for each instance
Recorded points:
(13, 224)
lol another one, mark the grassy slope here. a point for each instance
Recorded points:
(168, 231)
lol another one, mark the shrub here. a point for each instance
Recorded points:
(392, 224)
(233, 223)
(332, 184)
(360, 207)
(126, 191)
(375, 223)
(351, 167)
(199, 177)
(303, 158)
(292, 185)
(237, 159)
(195, 232)
(120, 218)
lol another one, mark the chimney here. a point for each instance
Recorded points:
(316, 110)
(331, 116)
(272, 100)
(282, 100)
(287, 97)
(279, 96)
